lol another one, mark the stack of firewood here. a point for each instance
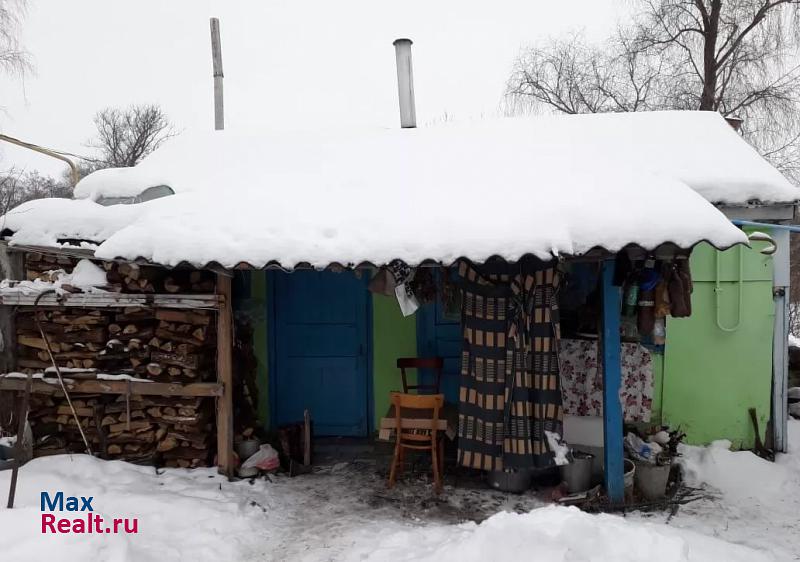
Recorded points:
(164, 345)
(125, 277)
(133, 278)
(46, 267)
(159, 344)
(168, 430)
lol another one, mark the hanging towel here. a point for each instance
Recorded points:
(510, 393)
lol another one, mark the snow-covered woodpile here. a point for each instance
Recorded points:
(141, 343)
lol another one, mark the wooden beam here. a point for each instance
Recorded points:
(225, 458)
(612, 379)
(106, 300)
(95, 386)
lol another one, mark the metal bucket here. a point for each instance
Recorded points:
(651, 479)
(514, 481)
(629, 474)
(247, 448)
(578, 473)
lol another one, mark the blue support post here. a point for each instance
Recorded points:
(612, 378)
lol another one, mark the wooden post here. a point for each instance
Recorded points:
(216, 59)
(225, 459)
(612, 379)
(10, 268)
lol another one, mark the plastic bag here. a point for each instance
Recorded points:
(640, 450)
(266, 458)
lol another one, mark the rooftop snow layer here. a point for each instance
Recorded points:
(698, 148)
(547, 186)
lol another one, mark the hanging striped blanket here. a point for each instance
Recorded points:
(510, 390)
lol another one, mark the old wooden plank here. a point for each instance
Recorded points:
(105, 300)
(225, 458)
(114, 387)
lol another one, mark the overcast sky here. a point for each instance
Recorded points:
(288, 64)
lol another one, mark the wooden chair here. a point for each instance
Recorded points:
(421, 439)
(435, 363)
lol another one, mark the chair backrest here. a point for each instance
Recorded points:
(434, 363)
(411, 426)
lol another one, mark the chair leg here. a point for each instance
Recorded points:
(437, 482)
(440, 449)
(402, 461)
(393, 470)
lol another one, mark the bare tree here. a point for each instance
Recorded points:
(14, 59)
(17, 187)
(125, 136)
(729, 56)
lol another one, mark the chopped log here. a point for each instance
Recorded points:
(183, 317)
(134, 425)
(114, 329)
(114, 449)
(190, 361)
(37, 343)
(167, 444)
(174, 336)
(42, 355)
(87, 320)
(171, 286)
(80, 411)
(33, 364)
(154, 369)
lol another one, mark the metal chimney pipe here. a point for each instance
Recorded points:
(216, 60)
(405, 83)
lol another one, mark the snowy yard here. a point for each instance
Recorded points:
(344, 512)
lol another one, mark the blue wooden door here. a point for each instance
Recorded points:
(439, 335)
(320, 350)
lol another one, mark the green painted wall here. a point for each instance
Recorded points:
(392, 336)
(712, 376)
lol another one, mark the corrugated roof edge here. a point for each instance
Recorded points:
(595, 253)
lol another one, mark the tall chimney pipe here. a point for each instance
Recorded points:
(216, 60)
(405, 83)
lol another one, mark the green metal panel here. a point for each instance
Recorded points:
(712, 376)
(393, 336)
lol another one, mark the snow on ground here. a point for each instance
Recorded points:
(752, 501)
(344, 512)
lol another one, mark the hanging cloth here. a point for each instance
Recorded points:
(510, 391)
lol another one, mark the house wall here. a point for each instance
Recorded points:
(704, 382)
(712, 374)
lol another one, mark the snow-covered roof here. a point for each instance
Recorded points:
(546, 186)
(698, 148)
